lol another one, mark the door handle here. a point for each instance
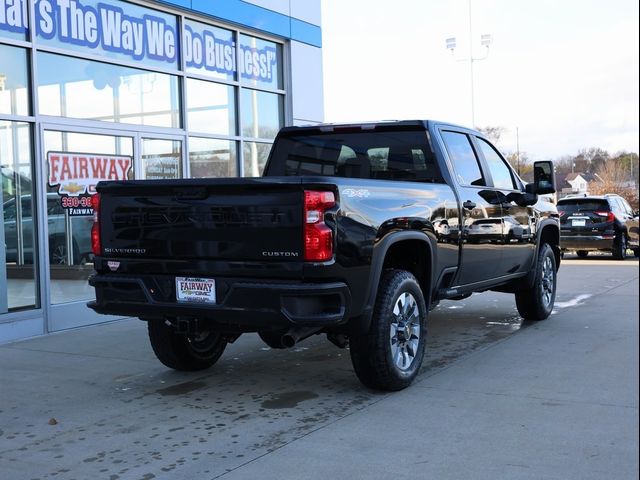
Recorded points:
(469, 205)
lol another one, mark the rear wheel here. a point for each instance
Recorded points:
(582, 253)
(185, 352)
(636, 252)
(537, 302)
(620, 247)
(389, 356)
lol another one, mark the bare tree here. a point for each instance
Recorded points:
(492, 133)
(613, 177)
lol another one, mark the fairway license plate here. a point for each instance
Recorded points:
(578, 222)
(195, 290)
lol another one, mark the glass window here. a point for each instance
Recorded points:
(209, 50)
(14, 81)
(500, 172)
(255, 158)
(18, 287)
(211, 107)
(110, 28)
(161, 159)
(14, 19)
(626, 206)
(260, 62)
(71, 180)
(78, 88)
(463, 158)
(262, 114)
(209, 157)
(379, 154)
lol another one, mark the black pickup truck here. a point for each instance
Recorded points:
(355, 231)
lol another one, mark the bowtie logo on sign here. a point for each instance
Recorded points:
(76, 174)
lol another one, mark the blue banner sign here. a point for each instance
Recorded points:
(125, 30)
(204, 50)
(14, 16)
(108, 27)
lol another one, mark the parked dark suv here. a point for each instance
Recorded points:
(605, 222)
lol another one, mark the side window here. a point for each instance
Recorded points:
(616, 205)
(499, 170)
(464, 158)
(626, 206)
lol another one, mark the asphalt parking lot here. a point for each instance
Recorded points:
(496, 399)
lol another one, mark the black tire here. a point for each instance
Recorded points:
(182, 352)
(582, 253)
(636, 252)
(272, 339)
(620, 247)
(377, 355)
(537, 302)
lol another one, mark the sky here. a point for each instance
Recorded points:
(560, 76)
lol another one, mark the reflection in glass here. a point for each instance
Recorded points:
(262, 114)
(260, 62)
(211, 107)
(78, 88)
(209, 157)
(161, 159)
(255, 158)
(69, 236)
(14, 81)
(17, 233)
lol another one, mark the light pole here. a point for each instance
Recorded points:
(485, 41)
(518, 149)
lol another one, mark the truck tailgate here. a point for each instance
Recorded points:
(211, 220)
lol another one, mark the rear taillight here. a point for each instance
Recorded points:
(560, 213)
(318, 237)
(96, 246)
(609, 215)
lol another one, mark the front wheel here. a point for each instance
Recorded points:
(185, 352)
(389, 356)
(537, 302)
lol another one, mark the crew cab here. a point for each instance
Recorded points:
(354, 230)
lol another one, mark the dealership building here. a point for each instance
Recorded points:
(107, 89)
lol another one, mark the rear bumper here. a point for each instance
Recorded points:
(242, 304)
(591, 242)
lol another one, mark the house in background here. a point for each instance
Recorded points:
(576, 184)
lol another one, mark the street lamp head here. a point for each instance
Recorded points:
(451, 43)
(485, 40)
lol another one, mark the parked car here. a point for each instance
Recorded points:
(604, 222)
(501, 229)
(56, 222)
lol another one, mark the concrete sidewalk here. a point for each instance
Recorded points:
(555, 400)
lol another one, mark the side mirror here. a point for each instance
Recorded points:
(544, 179)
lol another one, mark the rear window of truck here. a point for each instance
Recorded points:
(389, 155)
